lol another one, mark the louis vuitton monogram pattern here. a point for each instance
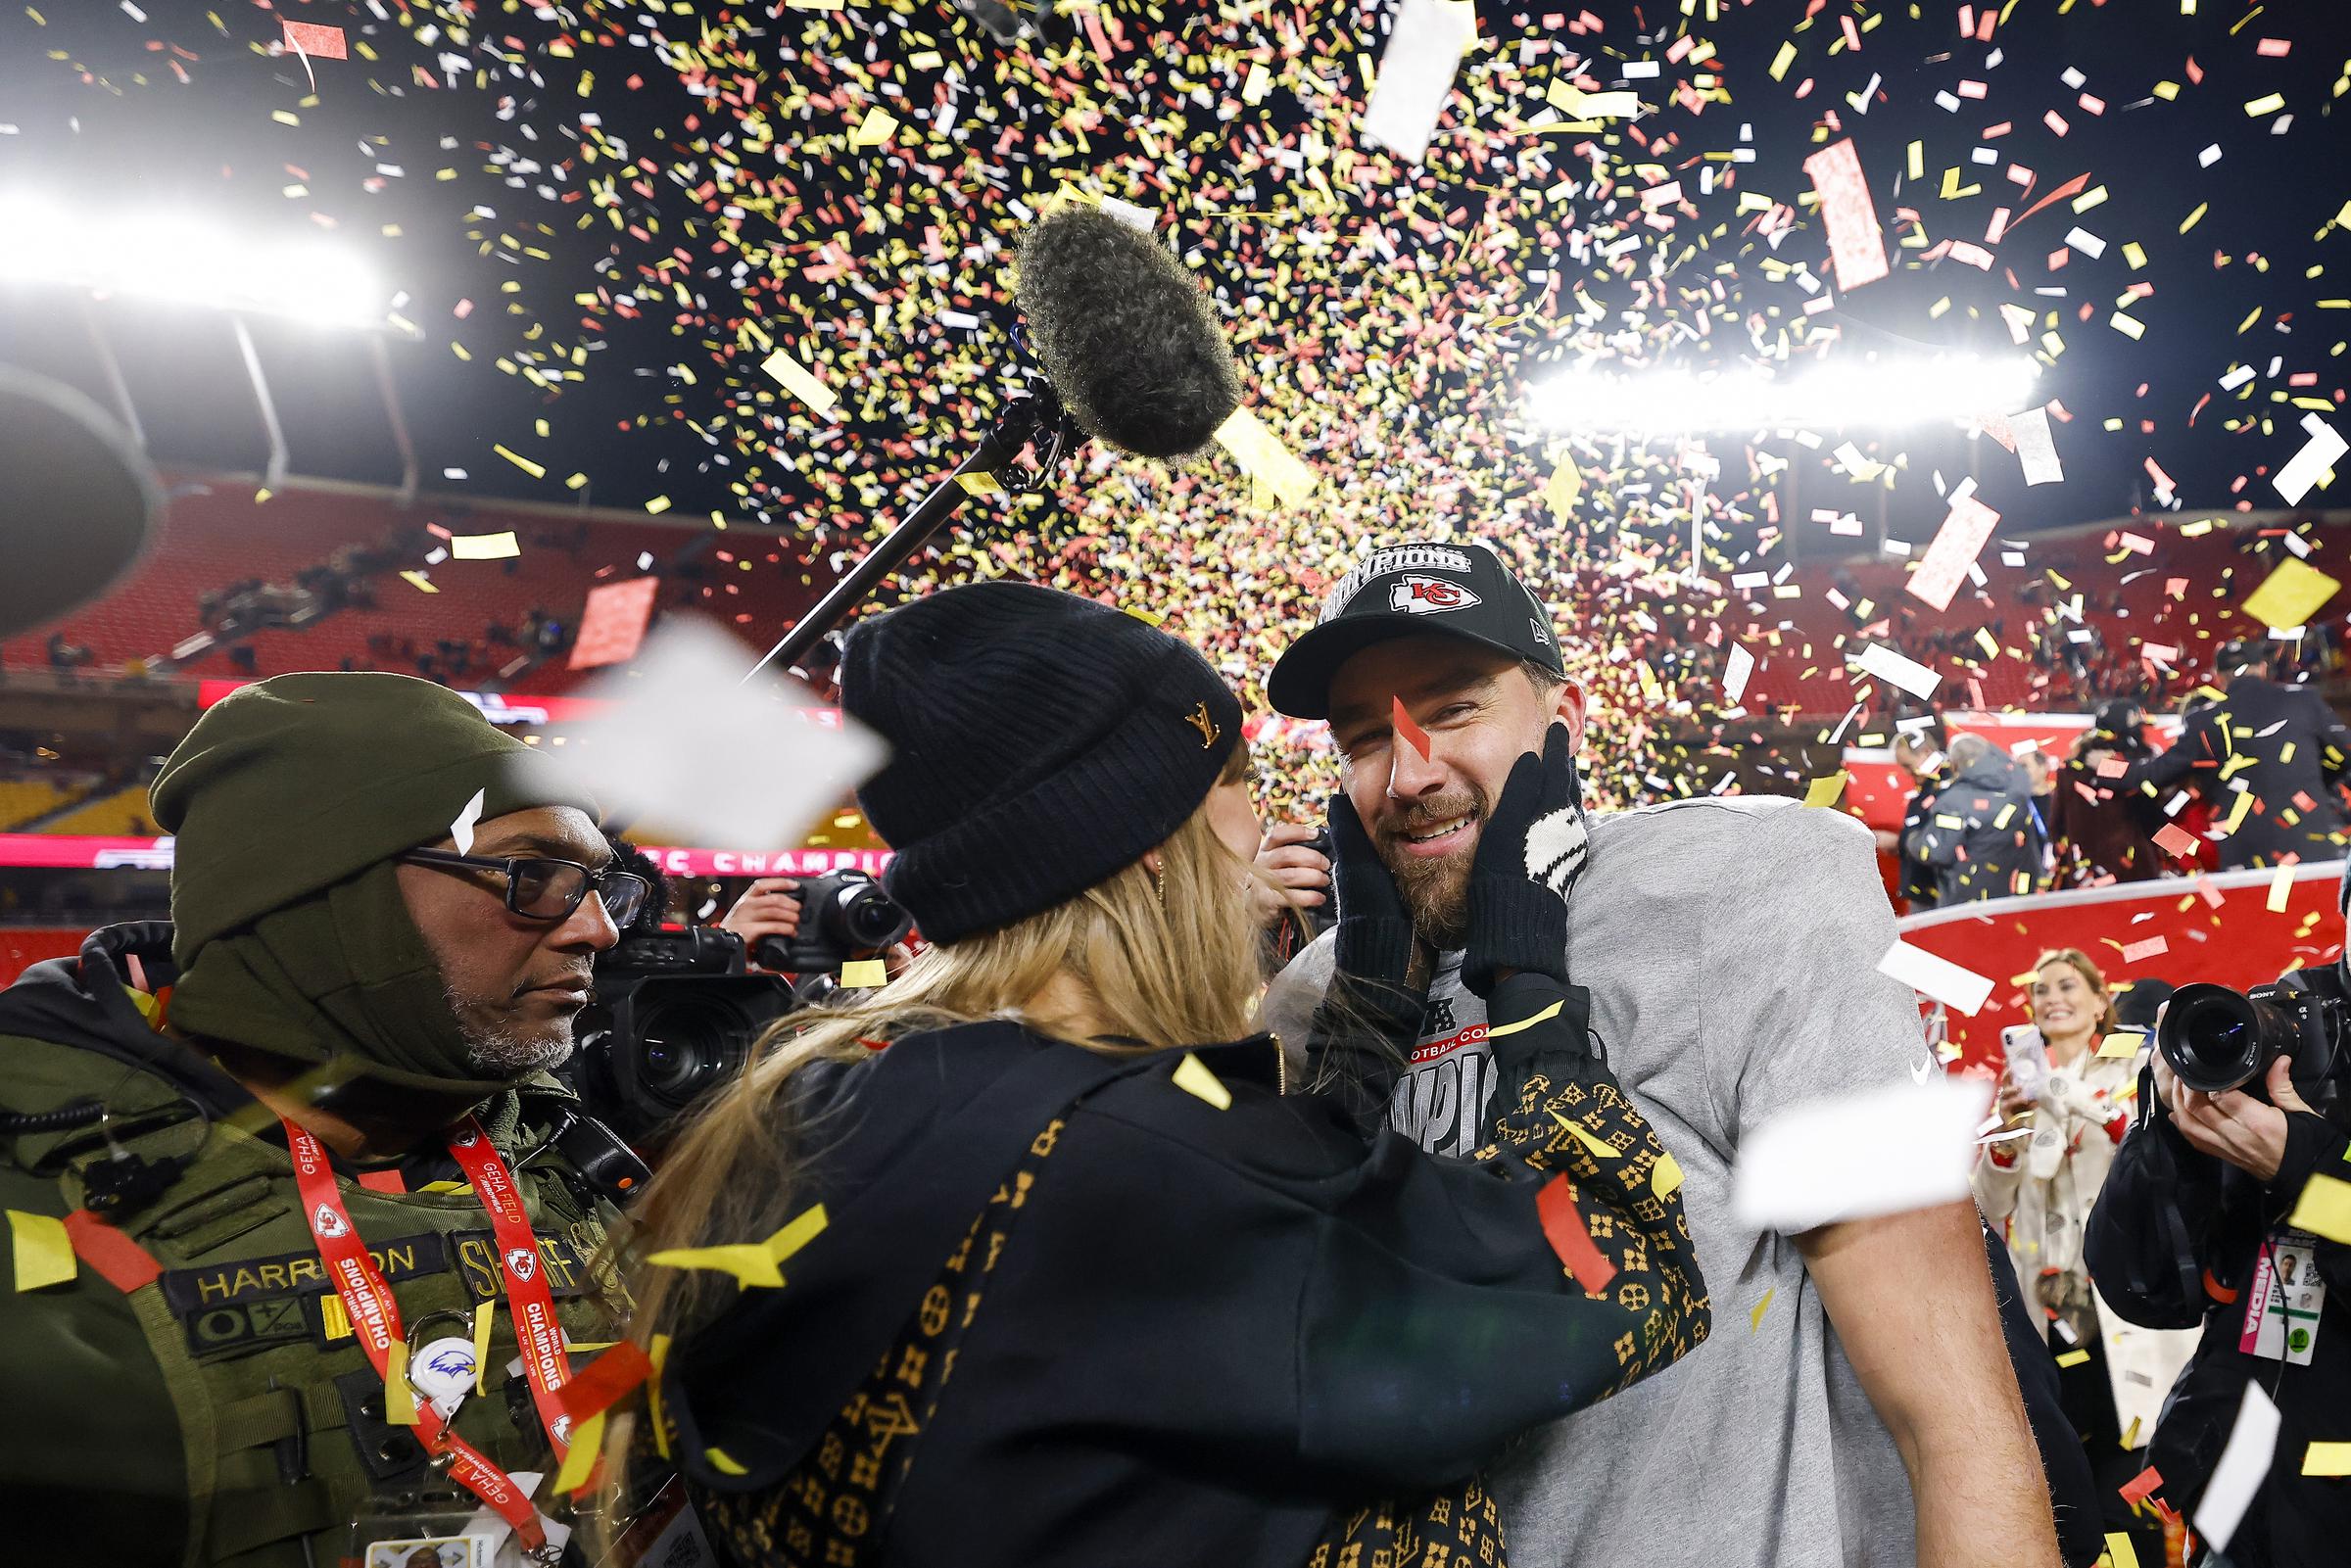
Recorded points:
(1645, 1235)
(828, 1512)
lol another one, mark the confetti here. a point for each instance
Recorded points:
(2325, 1207)
(462, 829)
(2313, 462)
(2243, 1465)
(2290, 596)
(484, 547)
(1902, 1147)
(613, 623)
(1958, 543)
(1570, 1238)
(1934, 976)
(800, 382)
(1262, 456)
(1899, 669)
(316, 40)
(2326, 1459)
(753, 1263)
(864, 973)
(1855, 247)
(1407, 731)
(1416, 72)
(41, 1251)
(1195, 1077)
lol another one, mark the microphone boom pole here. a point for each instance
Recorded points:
(1038, 418)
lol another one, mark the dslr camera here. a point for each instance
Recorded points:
(2218, 1039)
(677, 1014)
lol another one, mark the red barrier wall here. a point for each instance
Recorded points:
(2216, 927)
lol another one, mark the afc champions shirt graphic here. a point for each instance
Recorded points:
(1440, 1100)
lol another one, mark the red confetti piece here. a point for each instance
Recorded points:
(605, 1381)
(1411, 732)
(2174, 840)
(2152, 947)
(317, 40)
(1855, 245)
(1564, 1228)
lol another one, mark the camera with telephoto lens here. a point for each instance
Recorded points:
(845, 914)
(675, 1014)
(2218, 1039)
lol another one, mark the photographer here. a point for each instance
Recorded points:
(2190, 1232)
(1069, 1280)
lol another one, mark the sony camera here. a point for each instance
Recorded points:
(844, 915)
(2218, 1039)
(675, 1014)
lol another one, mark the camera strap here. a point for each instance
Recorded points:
(374, 1312)
(2163, 1191)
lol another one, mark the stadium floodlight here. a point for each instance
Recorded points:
(1837, 394)
(176, 255)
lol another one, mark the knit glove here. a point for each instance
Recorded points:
(1529, 852)
(1370, 1014)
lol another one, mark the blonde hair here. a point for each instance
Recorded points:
(1165, 960)
(2079, 963)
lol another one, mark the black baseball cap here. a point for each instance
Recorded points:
(1452, 589)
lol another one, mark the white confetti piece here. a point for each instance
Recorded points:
(2244, 1465)
(2036, 446)
(1936, 976)
(2305, 468)
(1907, 673)
(462, 829)
(690, 747)
(1416, 73)
(1736, 668)
(1901, 1147)
(1139, 217)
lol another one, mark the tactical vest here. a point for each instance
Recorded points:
(263, 1368)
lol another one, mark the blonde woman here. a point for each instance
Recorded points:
(2066, 1109)
(1089, 1283)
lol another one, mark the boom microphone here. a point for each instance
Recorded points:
(1128, 340)
(1133, 357)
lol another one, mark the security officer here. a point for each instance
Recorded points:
(2270, 759)
(300, 1222)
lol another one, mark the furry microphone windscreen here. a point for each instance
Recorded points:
(1130, 342)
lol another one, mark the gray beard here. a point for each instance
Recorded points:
(499, 1053)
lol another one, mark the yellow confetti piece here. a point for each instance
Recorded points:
(482, 1315)
(1147, 617)
(2130, 1439)
(979, 481)
(1263, 456)
(876, 128)
(657, 505)
(2119, 1550)
(579, 1462)
(658, 1355)
(800, 381)
(1499, 1030)
(2281, 883)
(1591, 1145)
(2324, 1209)
(1786, 57)
(2074, 1358)
(535, 471)
(2290, 596)
(1192, 1076)
(41, 1252)
(1576, 104)
(750, 1263)
(2266, 104)
(419, 582)
(2123, 1043)
(1824, 791)
(723, 1462)
(2237, 812)
(864, 973)
(1754, 1316)
(2327, 1458)
(1665, 1179)
(400, 1394)
(1566, 483)
(484, 547)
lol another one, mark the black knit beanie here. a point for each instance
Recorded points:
(1039, 743)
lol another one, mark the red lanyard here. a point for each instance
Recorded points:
(374, 1314)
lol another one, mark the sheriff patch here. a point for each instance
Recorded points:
(478, 1265)
(248, 1279)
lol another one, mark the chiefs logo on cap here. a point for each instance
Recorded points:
(521, 1263)
(1415, 595)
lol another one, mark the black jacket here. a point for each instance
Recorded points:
(2297, 753)
(2172, 1242)
(1975, 833)
(1207, 1331)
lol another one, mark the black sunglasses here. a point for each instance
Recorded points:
(539, 888)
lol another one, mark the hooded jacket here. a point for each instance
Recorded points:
(2281, 746)
(1977, 833)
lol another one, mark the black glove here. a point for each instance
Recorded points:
(1370, 1014)
(1529, 852)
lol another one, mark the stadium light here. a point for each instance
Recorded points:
(176, 255)
(1839, 395)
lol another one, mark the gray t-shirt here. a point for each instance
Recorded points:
(1731, 949)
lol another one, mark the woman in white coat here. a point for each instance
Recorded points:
(2066, 1109)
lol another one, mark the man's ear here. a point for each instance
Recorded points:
(1568, 707)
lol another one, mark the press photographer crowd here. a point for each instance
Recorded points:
(1003, 785)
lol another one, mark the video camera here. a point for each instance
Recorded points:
(2218, 1039)
(677, 1014)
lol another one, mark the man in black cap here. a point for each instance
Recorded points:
(300, 1194)
(1729, 949)
(2269, 759)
